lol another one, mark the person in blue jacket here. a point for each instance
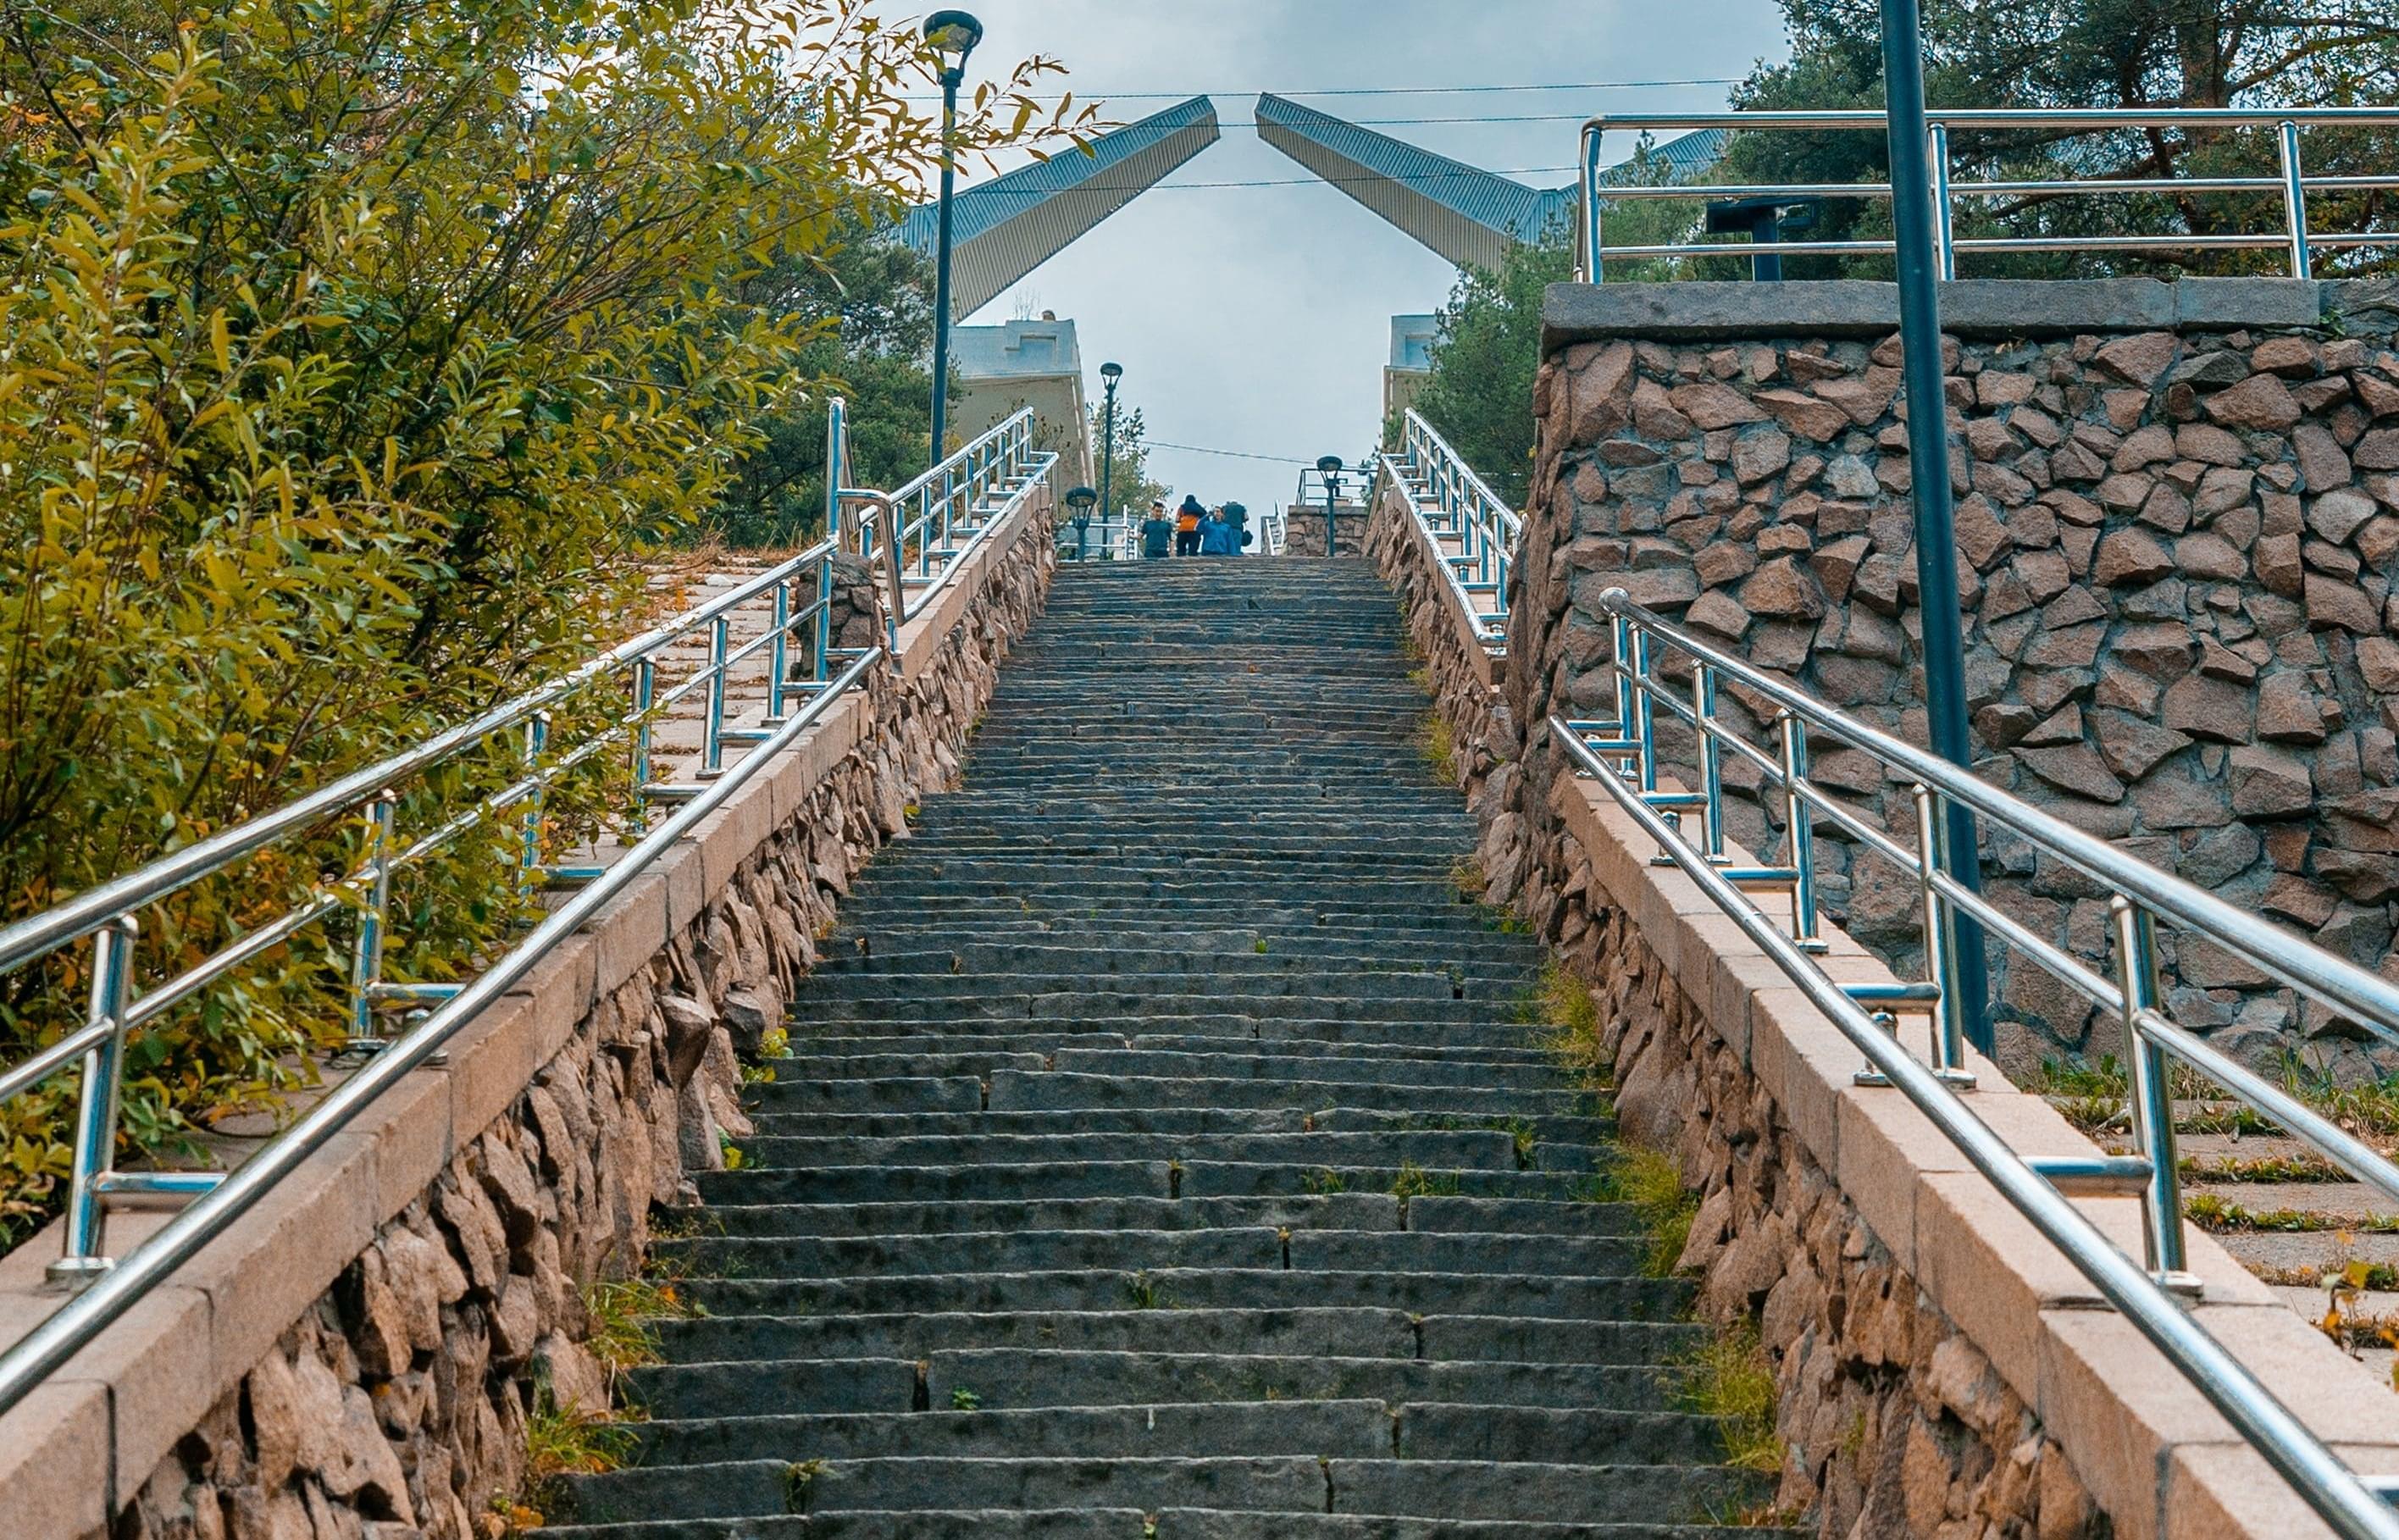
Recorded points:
(1216, 535)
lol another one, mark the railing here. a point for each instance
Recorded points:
(1454, 505)
(2291, 184)
(988, 478)
(1327, 496)
(1622, 756)
(942, 515)
(1274, 531)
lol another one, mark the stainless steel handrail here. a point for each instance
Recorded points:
(2319, 1477)
(2290, 184)
(1454, 503)
(950, 500)
(111, 1293)
(993, 474)
(1623, 752)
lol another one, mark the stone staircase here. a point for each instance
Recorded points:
(1162, 1153)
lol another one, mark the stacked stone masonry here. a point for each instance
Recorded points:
(396, 1407)
(2177, 546)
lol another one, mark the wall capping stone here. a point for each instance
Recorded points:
(1970, 307)
(135, 1432)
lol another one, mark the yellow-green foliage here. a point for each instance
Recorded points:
(621, 1312)
(1653, 1186)
(353, 362)
(1564, 1008)
(1439, 746)
(1729, 1379)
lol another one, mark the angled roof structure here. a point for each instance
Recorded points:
(1468, 215)
(1006, 227)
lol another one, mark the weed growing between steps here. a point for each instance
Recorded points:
(1438, 748)
(1561, 1007)
(1730, 1380)
(565, 1440)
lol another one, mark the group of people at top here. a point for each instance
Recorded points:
(1194, 530)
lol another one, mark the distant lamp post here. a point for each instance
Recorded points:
(1109, 374)
(1081, 500)
(1329, 468)
(954, 35)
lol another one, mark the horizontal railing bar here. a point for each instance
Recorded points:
(2312, 1469)
(39, 934)
(2353, 991)
(48, 1346)
(2094, 1176)
(2006, 118)
(156, 1184)
(1876, 191)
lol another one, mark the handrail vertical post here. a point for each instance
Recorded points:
(529, 856)
(836, 478)
(2153, 1116)
(1644, 710)
(1928, 455)
(1594, 270)
(1799, 824)
(1704, 718)
(720, 639)
(1945, 245)
(1623, 655)
(366, 958)
(2295, 200)
(645, 685)
(778, 659)
(95, 1148)
(1940, 949)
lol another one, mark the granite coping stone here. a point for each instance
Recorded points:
(1970, 307)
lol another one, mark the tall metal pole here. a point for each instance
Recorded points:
(951, 80)
(1965, 986)
(1108, 457)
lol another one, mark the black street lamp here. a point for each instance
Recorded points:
(1081, 500)
(954, 35)
(1109, 374)
(1329, 466)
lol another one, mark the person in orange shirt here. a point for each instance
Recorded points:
(1186, 526)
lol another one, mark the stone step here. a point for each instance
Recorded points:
(1168, 1178)
(1441, 1149)
(1242, 1044)
(1532, 1296)
(1427, 999)
(1471, 1035)
(1342, 1333)
(1292, 1484)
(1185, 1121)
(1256, 1246)
(1043, 966)
(1056, 1090)
(1166, 1523)
(1341, 1429)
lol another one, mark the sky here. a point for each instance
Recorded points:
(1257, 319)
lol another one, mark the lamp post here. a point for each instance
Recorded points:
(1329, 466)
(1928, 454)
(1109, 374)
(1081, 500)
(954, 35)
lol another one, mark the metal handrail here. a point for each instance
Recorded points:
(1453, 503)
(994, 474)
(2290, 183)
(960, 497)
(1274, 531)
(1623, 753)
(120, 1288)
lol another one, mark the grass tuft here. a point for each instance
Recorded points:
(1414, 1181)
(1562, 1007)
(1652, 1186)
(1439, 746)
(1730, 1379)
(621, 1312)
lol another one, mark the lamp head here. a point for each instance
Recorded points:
(1112, 373)
(955, 33)
(1082, 500)
(1330, 465)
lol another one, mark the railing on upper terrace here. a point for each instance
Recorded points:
(2291, 185)
(615, 701)
(1456, 508)
(1622, 756)
(1274, 531)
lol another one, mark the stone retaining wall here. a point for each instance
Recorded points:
(2177, 532)
(357, 1358)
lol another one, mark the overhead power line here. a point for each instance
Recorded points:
(1226, 454)
(1392, 91)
